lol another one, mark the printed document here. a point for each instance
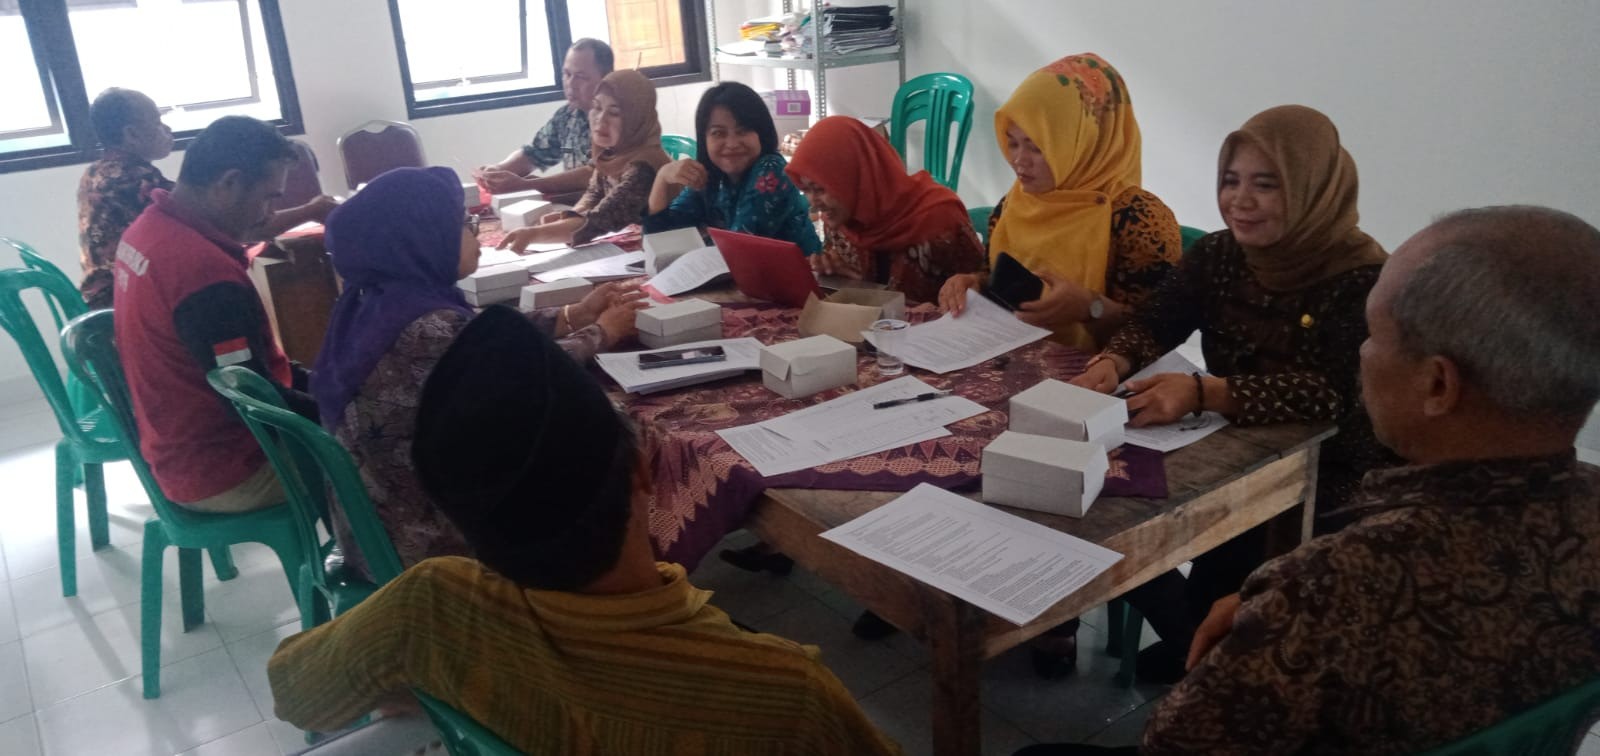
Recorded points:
(999, 562)
(689, 272)
(1188, 429)
(983, 332)
(624, 265)
(623, 367)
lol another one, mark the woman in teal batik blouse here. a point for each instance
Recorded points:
(737, 181)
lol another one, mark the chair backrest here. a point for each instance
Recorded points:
(309, 462)
(1190, 235)
(463, 736)
(35, 261)
(61, 296)
(679, 147)
(943, 100)
(303, 184)
(89, 344)
(980, 222)
(1552, 728)
(378, 146)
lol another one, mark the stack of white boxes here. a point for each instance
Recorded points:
(523, 214)
(497, 283)
(1053, 458)
(805, 366)
(679, 323)
(555, 294)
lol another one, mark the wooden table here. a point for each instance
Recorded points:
(1225, 484)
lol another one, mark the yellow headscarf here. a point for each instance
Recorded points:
(1078, 112)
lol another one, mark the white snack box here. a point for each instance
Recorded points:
(1043, 473)
(679, 322)
(805, 366)
(555, 294)
(664, 247)
(495, 277)
(469, 192)
(497, 201)
(523, 214)
(1053, 408)
(491, 296)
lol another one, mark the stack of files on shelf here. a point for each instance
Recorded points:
(848, 30)
(623, 367)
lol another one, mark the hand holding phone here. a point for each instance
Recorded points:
(1011, 284)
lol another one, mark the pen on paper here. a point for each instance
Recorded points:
(910, 400)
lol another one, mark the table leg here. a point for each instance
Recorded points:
(1293, 526)
(955, 638)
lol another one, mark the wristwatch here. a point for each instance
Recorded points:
(1097, 307)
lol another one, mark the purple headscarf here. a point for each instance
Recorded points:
(397, 245)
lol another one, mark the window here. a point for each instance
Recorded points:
(459, 57)
(198, 59)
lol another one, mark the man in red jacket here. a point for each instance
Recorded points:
(185, 305)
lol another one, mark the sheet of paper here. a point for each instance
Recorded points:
(623, 367)
(563, 256)
(489, 256)
(1173, 436)
(847, 427)
(983, 332)
(615, 266)
(996, 561)
(689, 272)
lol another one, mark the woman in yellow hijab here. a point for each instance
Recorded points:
(1076, 215)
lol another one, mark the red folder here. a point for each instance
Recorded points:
(769, 269)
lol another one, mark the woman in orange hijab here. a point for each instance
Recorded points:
(1076, 215)
(879, 224)
(627, 153)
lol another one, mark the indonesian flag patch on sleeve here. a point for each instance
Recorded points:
(232, 352)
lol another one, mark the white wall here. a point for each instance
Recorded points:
(1443, 103)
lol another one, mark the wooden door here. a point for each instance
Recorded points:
(646, 32)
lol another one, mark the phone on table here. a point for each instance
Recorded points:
(675, 357)
(1011, 284)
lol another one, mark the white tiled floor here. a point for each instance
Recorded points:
(69, 681)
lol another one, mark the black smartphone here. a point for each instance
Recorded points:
(1011, 284)
(673, 357)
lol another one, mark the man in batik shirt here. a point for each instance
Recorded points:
(564, 140)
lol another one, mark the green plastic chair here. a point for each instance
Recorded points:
(86, 442)
(77, 395)
(1552, 728)
(309, 462)
(980, 222)
(89, 344)
(462, 736)
(1190, 235)
(941, 99)
(679, 147)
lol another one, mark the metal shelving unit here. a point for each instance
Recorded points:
(820, 61)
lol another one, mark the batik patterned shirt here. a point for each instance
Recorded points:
(764, 203)
(1465, 593)
(112, 192)
(563, 141)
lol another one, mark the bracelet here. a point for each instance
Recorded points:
(1200, 395)
(566, 314)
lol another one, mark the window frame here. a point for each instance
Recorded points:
(696, 67)
(49, 29)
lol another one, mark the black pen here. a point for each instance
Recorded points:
(909, 400)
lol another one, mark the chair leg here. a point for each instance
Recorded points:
(155, 547)
(1115, 609)
(191, 591)
(94, 489)
(1132, 630)
(66, 529)
(222, 563)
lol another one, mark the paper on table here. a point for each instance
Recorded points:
(615, 266)
(489, 256)
(985, 331)
(998, 562)
(1173, 436)
(689, 272)
(847, 427)
(562, 257)
(623, 367)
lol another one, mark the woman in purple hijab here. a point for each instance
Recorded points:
(400, 245)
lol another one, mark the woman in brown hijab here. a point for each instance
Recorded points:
(1279, 299)
(626, 136)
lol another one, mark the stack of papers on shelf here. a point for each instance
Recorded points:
(994, 560)
(1173, 436)
(848, 427)
(847, 30)
(623, 367)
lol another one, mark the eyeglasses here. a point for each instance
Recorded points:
(472, 222)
